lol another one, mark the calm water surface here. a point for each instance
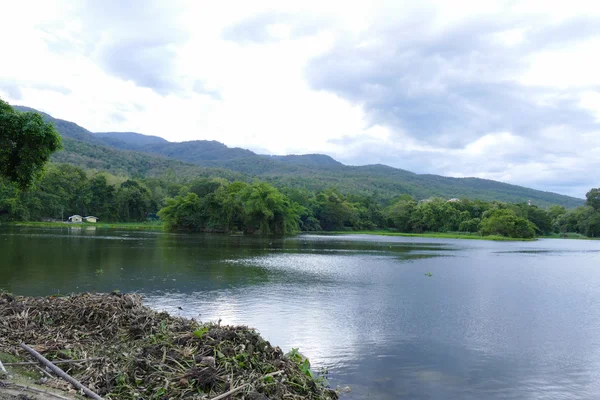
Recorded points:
(494, 321)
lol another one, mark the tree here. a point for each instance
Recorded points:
(102, 198)
(64, 190)
(506, 223)
(400, 213)
(133, 201)
(26, 144)
(180, 212)
(333, 211)
(268, 211)
(593, 199)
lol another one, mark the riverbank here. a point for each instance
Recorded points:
(568, 235)
(128, 351)
(138, 226)
(439, 235)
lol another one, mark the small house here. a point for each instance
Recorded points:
(454, 200)
(91, 219)
(76, 219)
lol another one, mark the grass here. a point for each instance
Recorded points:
(568, 235)
(158, 226)
(440, 235)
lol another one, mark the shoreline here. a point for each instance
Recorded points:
(121, 349)
(439, 235)
(139, 226)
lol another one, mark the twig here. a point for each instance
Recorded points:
(60, 372)
(232, 391)
(47, 394)
(56, 362)
(43, 371)
(237, 389)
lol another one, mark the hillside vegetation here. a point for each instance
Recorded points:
(134, 154)
(268, 194)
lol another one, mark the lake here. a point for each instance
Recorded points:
(495, 320)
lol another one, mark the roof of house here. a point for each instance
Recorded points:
(75, 216)
(91, 216)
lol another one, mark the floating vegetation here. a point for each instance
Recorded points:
(131, 352)
(428, 274)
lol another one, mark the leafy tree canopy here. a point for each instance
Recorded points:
(26, 144)
(593, 199)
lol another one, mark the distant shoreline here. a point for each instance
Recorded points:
(140, 226)
(439, 235)
(111, 225)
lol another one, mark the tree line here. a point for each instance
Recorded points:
(219, 205)
(30, 189)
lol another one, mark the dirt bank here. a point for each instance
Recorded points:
(138, 353)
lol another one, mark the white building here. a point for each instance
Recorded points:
(76, 219)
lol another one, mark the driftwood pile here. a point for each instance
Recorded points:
(131, 352)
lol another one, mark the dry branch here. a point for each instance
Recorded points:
(60, 372)
(56, 362)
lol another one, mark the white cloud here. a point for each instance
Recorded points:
(573, 66)
(72, 61)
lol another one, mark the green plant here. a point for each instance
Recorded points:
(200, 332)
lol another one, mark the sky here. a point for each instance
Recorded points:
(504, 90)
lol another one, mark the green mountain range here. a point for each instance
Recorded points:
(135, 154)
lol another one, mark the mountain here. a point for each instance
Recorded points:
(91, 151)
(135, 154)
(308, 159)
(132, 138)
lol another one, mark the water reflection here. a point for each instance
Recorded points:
(495, 320)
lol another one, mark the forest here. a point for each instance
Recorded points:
(215, 204)
(137, 155)
(200, 199)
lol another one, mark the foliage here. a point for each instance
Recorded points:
(506, 223)
(26, 143)
(238, 206)
(593, 199)
(217, 205)
(314, 172)
(308, 193)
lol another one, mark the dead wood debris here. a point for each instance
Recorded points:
(138, 353)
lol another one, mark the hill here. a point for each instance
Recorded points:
(135, 154)
(132, 138)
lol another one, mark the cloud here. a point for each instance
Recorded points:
(11, 89)
(200, 88)
(14, 89)
(135, 40)
(272, 27)
(507, 91)
(453, 86)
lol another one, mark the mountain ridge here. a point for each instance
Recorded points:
(309, 171)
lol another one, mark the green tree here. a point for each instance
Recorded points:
(64, 190)
(470, 225)
(102, 198)
(593, 199)
(506, 223)
(333, 211)
(133, 201)
(267, 210)
(399, 214)
(181, 212)
(26, 144)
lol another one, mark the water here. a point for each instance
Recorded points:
(496, 320)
